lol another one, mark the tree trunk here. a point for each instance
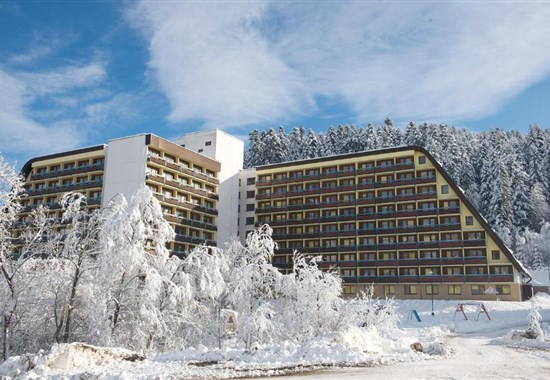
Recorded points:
(71, 304)
(5, 336)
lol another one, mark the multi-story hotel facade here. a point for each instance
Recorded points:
(390, 219)
(185, 182)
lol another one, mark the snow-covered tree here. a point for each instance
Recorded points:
(135, 271)
(11, 187)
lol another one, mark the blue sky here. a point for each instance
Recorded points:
(78, 73)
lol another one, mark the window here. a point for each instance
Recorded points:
(410, 289)
(251, 181)
(348, 272)
(501, 270)
(408, 272)
(349, 289)
(421, 160)
(347, 227)
(475, 253)
(495, 255)
(330, 213)
(200, 150)
(389, 290)
(368, 272)
(330, 227)
(503, 289)
(250, 194)
(330, 243)
(476, 270)
(444, 189)
(250, 221)
(387, 255)
(432, 289)
(478, 290)
(250, 207)
(407, 255)
(368, 256)
(455, 290)
(208, 143)
(450, 237)
(453, 271)
(478, 235)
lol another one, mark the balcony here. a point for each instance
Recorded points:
(407, 245)
(408, 278)
(388, 279)
(365, 201)
(66, 172)
(367, 279)
(406, 213)
(329, 174)
(477, 277)
(428, 244)
(349, 280)
(384, 168)
(452, 260)
(450, 243)
(365, 170)
(426, 195)
(382, 184)
(347, 264)
(449, 210)
(474, 243)
(452, 278)
(449, 226)
(404, 181)
(387, 263)
(475, 260)
(429, 261)
(365, 185)
(404, 165)
(295, 179)
(426, 179)
(368, 231)
(501, 278)
(426, 211)
(430, 278)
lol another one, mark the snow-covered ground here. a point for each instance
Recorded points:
(480, 349)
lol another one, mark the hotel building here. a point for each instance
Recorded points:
(185, 183)
(390, 218)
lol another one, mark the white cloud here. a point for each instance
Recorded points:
(63, 79)
(239, 63)
(21, 134)
(213, 64)
(42, 112)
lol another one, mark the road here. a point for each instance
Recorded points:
(475, 358)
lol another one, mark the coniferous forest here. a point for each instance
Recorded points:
(505, 174)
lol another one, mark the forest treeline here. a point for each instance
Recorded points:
(505, 174)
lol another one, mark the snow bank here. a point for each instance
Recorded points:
(80, 355)
(352, 346)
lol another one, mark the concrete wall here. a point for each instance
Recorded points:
(124, 167)
(229, 151)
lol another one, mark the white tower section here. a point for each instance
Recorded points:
(247, 202)
(229, 151)
(125, 164)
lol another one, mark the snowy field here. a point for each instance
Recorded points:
(454, 348)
